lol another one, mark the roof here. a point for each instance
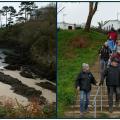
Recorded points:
(110, 21)
(66, 23)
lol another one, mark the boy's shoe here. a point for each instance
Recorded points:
(86, 111)
(110, 109)
(81, 114)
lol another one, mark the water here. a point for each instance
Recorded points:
(5, 90)
(2, 58)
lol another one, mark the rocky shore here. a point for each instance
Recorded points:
(48, 86)
(20, 60)
(22, 89)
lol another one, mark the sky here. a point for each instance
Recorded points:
(77, 12)
(17, 4)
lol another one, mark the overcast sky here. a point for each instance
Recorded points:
(17, 4)
(77, 12)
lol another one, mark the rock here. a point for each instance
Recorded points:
(19, 88)
(12, 67)
(26, 74)
(47, 85)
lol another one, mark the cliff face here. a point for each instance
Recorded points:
(35, 41)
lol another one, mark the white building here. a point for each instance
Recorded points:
(66, 26)
(111, 23)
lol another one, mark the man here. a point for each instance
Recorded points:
(112, 75)
(115, 55)
(104, 54)
(83, 83)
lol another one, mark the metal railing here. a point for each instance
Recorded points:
(99, 89)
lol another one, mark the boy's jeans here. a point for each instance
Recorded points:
(84, 100)
(103, 66)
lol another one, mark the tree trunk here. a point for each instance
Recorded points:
(6, 19)
(0, 21)
(88, 23)
(92, 10)
(25, 13)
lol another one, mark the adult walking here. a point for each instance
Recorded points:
(104, 54)
(112, 35)
(115, 55)
(112, 75)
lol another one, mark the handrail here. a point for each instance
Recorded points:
(73, 106)
(94, 101)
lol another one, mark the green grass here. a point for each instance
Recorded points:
(68, 68)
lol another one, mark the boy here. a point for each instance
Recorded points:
(83, 83)
(112, 75)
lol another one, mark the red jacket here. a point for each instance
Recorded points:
(112, 35)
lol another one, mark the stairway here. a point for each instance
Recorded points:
(74, 110)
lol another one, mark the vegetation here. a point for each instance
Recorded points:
(32, 43)
(11, 108)
(33, 40)
(74, 48)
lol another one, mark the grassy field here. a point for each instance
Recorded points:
(70, 59)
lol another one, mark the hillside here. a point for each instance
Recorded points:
(33, 44)
(74, 48)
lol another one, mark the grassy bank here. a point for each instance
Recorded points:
(74, 48)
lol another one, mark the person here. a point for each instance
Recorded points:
(104, 53)
(115, 55)
(83, 83)
(111, 45)
(112, 75)
(112, 35)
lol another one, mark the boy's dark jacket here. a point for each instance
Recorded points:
(112, 75)
(84, 81)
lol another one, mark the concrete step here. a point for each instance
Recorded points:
(98, 102)
(98, 107)
(104, 92)
(105, 97)
(99, 114)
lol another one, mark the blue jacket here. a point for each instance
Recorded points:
(111, 45)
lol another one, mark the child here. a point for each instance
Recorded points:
(112, 75)
(83, 83)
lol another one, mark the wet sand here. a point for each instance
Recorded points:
(49, 95)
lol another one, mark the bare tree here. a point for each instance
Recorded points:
(92, 9)
(100, 24)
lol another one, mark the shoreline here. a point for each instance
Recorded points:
(50, 96)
